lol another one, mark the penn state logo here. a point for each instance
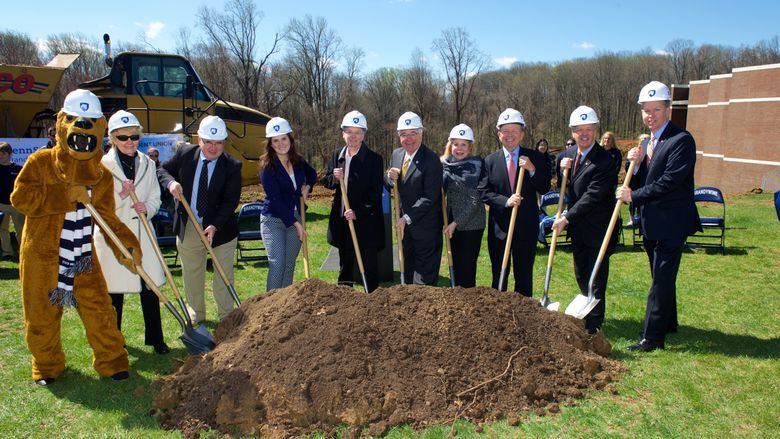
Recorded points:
(506, 116)
(84, 106)
(584, 116)
(125, 119)
(213, 131)
(355, 119)
(408, 122)
(462, 132)
(276, 128)
(651, 93)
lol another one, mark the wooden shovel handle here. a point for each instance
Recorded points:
(510, 233)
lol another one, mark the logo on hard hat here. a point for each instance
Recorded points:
(506, 116)
(213, 131)
(125, 119)
(276, 128)
(408, 121)
(651, 93)
(584, 116)
(355, 119)
(462, 132)
(84, 106)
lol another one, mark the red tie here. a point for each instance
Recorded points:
(577, 163)
(511, 169)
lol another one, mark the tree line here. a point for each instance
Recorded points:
(308, 75)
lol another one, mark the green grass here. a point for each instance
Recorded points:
(717, 378)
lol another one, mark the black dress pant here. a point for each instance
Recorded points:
(347, 262)
(661, 311)
(422, 257)
(521, 258)
(465, 245)
(584, 258)
(150, 307)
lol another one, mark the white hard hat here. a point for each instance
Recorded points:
(462, 131)
(654, 91)
(409, 121)
(583, 115)
(82, 103)
(122, 119)
(277, 126)
(212, 128)
(510, 115)
(354, 119)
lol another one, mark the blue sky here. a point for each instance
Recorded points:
(389, 30)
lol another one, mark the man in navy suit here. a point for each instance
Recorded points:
(210, 180)
(592, 177)
(497, 189)
(667, 210)
(418, 172)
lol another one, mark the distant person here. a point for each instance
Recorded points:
(209, 179)
(363, 169)
(608, 143)
(544, 148)
(639, 176)
(418, 173)
(462, 173)
(497, 189)
(667, 210)
(8, 173)
(286, 178)
(166, 200)
(591, 188)
(132, 171)
(558, 172)
(51, 134)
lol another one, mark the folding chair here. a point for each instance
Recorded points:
(249, 231)
(166, 240)
(712, 211)
(546, 219)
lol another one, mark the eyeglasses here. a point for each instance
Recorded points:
(124, 138)
(569, 144)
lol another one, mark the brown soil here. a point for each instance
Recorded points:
(315, 355)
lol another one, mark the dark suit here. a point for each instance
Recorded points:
(420, 193)
(668, 215)
(591, 202)
(364, 191)
(637, 180)
(494, 189)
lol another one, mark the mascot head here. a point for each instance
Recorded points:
(81, 127)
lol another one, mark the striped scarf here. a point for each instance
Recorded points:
(75, 255)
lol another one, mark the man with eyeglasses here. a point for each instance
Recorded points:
(418, 172)
(558, 172)
(497, 190)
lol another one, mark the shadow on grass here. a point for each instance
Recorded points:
(10, 272)
(314, 216)
(699, 341)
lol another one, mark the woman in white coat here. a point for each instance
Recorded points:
(132, 170)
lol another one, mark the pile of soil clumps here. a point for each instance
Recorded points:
(313, 356)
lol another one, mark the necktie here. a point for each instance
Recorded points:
(203, 189)
(577, 163)
(650, 147)
(405, 167)
(511, 169)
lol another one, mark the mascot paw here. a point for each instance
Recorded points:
(129, 263)
(79, 194)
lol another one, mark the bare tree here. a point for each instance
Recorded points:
(89, 65)
(681, 58)
(235, 32)
(18, 48)
(462, 63)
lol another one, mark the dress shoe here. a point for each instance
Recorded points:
(592, 331)
(646, 345)
(162, 348)
(119, 376)
(43, 382)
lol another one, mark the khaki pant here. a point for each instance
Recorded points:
(193, 267)
(5, 236)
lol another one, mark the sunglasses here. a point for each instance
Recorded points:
(569, 144)
(124, 138)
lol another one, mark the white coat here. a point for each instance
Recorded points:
(119, 278)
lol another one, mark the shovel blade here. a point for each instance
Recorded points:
(581, 306)
(553, 306)
(194, 344)
(204, 334)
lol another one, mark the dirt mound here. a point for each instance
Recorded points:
(315, 355)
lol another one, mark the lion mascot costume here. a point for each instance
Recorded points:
(57, 266)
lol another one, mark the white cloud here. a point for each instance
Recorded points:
(585, 45)
(505, 61)
(661, 52)
(151, 30)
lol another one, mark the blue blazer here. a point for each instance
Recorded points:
(281, 198)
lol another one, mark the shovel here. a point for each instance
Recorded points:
(217, 264)
(582, 305)
(201, 329)
(196, 343)
(510, 233)
(447, 237)
(304, 244)
(397, 233)
(355, 245)
(553, 306)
